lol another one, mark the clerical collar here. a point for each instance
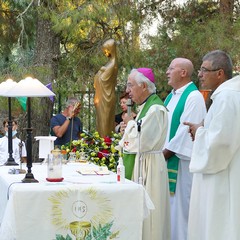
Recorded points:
(146, 99)
(181, 89)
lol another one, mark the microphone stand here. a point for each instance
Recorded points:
(140, 181)
(129, 106)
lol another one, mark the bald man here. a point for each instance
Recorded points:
(184, 102)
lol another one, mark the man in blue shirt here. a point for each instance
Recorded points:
(66, 126)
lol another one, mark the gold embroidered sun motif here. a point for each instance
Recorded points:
(80, 210)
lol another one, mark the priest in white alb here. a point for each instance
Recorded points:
(215, 199)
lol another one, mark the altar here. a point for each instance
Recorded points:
(79, 207)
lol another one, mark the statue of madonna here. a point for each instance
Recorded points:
(104, 83)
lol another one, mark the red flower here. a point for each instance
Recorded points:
(103, 153)
(74, 149)
(108, 140)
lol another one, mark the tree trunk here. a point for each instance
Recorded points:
(46, 58)
(226, 9)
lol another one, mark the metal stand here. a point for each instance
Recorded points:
(20, 170)
(140, 180)
(10, 161)
(29, 178)
(129, 107)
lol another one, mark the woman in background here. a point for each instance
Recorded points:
(123, 104)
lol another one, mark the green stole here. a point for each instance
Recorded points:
(172, 162)
(129, 159)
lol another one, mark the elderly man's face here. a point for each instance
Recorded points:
(136, 92)
(174, 74)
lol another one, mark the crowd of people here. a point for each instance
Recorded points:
(185, 155)
(201, 148)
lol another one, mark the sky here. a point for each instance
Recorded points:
(153, 29)
(181, 1)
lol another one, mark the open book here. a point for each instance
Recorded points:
(94, 171)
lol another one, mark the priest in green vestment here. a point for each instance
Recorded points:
(184, 103)
(142, 145)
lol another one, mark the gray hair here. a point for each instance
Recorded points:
(140, 78)
(220, 60)
(71, 102)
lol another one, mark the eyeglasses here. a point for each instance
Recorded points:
(204, 70)
(130, 85)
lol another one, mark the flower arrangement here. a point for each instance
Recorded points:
(100, 151)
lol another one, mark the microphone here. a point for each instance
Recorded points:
(139, 123)
(129, 107)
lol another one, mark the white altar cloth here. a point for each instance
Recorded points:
(76, 207)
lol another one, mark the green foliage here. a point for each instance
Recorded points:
(60, 237)
(100, 232)
(83, 26)
(191, 31)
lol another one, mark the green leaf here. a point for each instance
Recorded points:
(61, 237)
(100, 232)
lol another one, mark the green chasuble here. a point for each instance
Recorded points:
(129, 159)
(172, 162)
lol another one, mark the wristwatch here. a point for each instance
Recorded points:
(68, 118)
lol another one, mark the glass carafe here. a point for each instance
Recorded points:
(54, 166)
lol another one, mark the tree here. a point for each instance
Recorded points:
(226, 9)
(67, 45)
(60, 42)
(192, 30)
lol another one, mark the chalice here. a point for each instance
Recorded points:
(80, 229)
